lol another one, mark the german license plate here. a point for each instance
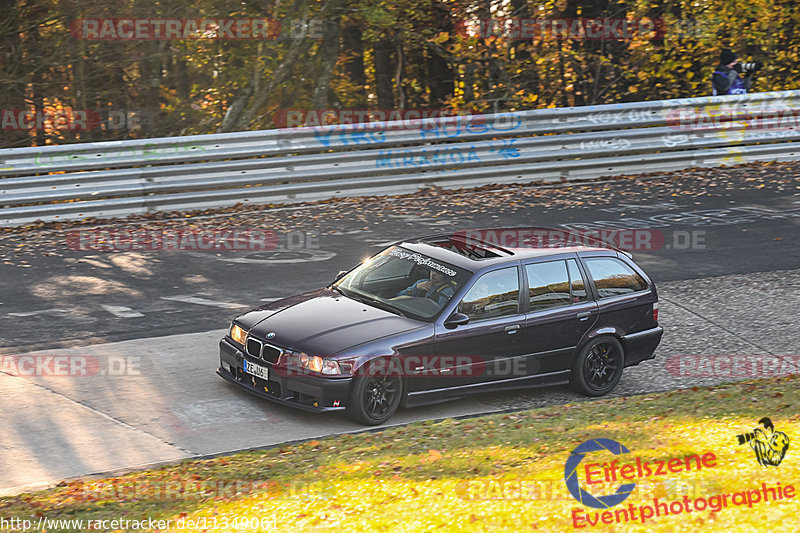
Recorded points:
(256, 370)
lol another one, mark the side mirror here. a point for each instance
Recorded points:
(340, 275)
(455, 320)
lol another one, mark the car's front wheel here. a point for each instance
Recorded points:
(598, 367)
(374, 396)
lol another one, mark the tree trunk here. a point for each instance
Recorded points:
(383, 73)
(398, 77)
(241, 113)
(151, 81)
(36, 66)
(12, 78)
(150, 69)
(327, 54)
(469, 83)
(353, 44)
(519, 10)
(182, 84)
(440, 76)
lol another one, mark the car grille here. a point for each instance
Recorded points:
(254, 347)
(261, 350)
(270, 353)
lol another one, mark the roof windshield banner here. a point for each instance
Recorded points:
(421, 260)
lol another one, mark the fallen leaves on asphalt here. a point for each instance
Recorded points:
(328, 217)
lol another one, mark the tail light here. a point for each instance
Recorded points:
(655, 312)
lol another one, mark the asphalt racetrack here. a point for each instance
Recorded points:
(727, 270)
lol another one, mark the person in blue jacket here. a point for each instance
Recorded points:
(726, 78)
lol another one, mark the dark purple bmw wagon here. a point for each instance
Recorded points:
(443, 316)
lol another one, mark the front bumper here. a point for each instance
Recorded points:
(311, 393)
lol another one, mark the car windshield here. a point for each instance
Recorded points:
(404, 282)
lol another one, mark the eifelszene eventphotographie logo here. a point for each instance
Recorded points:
(571, 474)
(769, 445)
(595, 472)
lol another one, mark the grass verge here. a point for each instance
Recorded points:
(501, 472)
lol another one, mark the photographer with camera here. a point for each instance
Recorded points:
(726, 78)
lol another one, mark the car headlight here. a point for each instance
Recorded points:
(334, 368)
(238, 334)
(311, 362)
(319, 364)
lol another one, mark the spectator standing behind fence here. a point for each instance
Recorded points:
(727, 79)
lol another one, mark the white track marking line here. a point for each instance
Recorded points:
(121, 311)
(51, 311)
(202, 301)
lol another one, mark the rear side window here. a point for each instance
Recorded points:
(578, 286)
(612, 277)
(548, 285)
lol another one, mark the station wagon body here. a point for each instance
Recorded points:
(436, 318)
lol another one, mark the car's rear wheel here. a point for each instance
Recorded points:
(375, 396)
(598, 367)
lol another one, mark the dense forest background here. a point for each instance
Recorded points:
(363, 54)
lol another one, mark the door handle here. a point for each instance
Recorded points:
(584, 316)
(512, 329)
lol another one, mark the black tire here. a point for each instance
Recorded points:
(598, 367)
(374, 396)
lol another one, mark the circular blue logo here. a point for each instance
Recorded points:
(571, 476)
(271, 335)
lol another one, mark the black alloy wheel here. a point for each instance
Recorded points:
(375, 397)
(599, 366)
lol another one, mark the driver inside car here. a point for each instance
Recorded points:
(437, 287)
